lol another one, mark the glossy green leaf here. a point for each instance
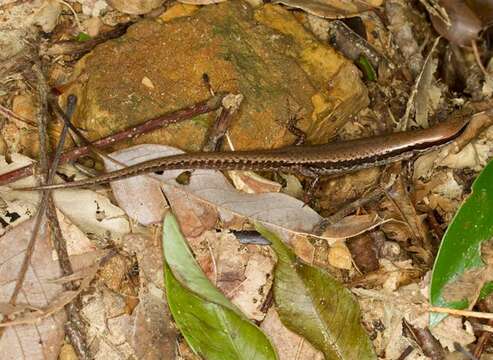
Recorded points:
(311, 303)
(212, 326)
(460, 249)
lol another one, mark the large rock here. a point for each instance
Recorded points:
(158, 65)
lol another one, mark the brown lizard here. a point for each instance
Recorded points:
(312, 161)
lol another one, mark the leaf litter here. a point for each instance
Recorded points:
(242, 271)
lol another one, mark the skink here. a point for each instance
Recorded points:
(312, 161)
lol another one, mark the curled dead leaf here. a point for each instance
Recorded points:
(464, 23)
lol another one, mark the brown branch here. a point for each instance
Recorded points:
(352, 45)
(81, 137)
(74, 327)
(161, 121)
(41, 117)
(216, 133)
(424, 339)
(9, 114)
(79, 48)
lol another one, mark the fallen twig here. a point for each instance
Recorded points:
(78, 48)
(161, 121)
(230, 105)
(74, 326)
(9, 114)
(344, 39)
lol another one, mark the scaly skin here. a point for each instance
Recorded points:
(320, 160)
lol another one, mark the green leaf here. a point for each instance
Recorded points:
(486, 290)
(212, 326)
(311, 303)
(365, 65)
(82, 36)
(460, 249)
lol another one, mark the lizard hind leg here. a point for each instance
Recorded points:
(309, 194)
(313, 179)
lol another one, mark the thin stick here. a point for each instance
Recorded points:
(68, 123)
(41, 119)
(76, 17)
(478, 58)
(77, 48)
(74, 328)
(41, 116)
(456, 312)
(216, 133)
(411, 103)
(9, 114)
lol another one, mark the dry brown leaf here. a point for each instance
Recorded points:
(351, 226)
(251, 294)
(46, 15)
(440, 180)
(453, 330)
(409, 302)
(404, 206)
(93, 26)
(145, 332)
(400, 206)
(340, 191)
(43, 338)
(64, 298)
(304, 249)
(154, 334)
(332, 9)
(293, 186)
(151, 318)
(465, 25)
(242, 272)
(252, 183)
(24, 106)
(424, 88)
(7, 309)
(67, 352)
(114, 272)
(108, 325)
(289, 345)
(147, 249)
(208, 198)
(401, 17)
(94, 214)
(77, 241)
